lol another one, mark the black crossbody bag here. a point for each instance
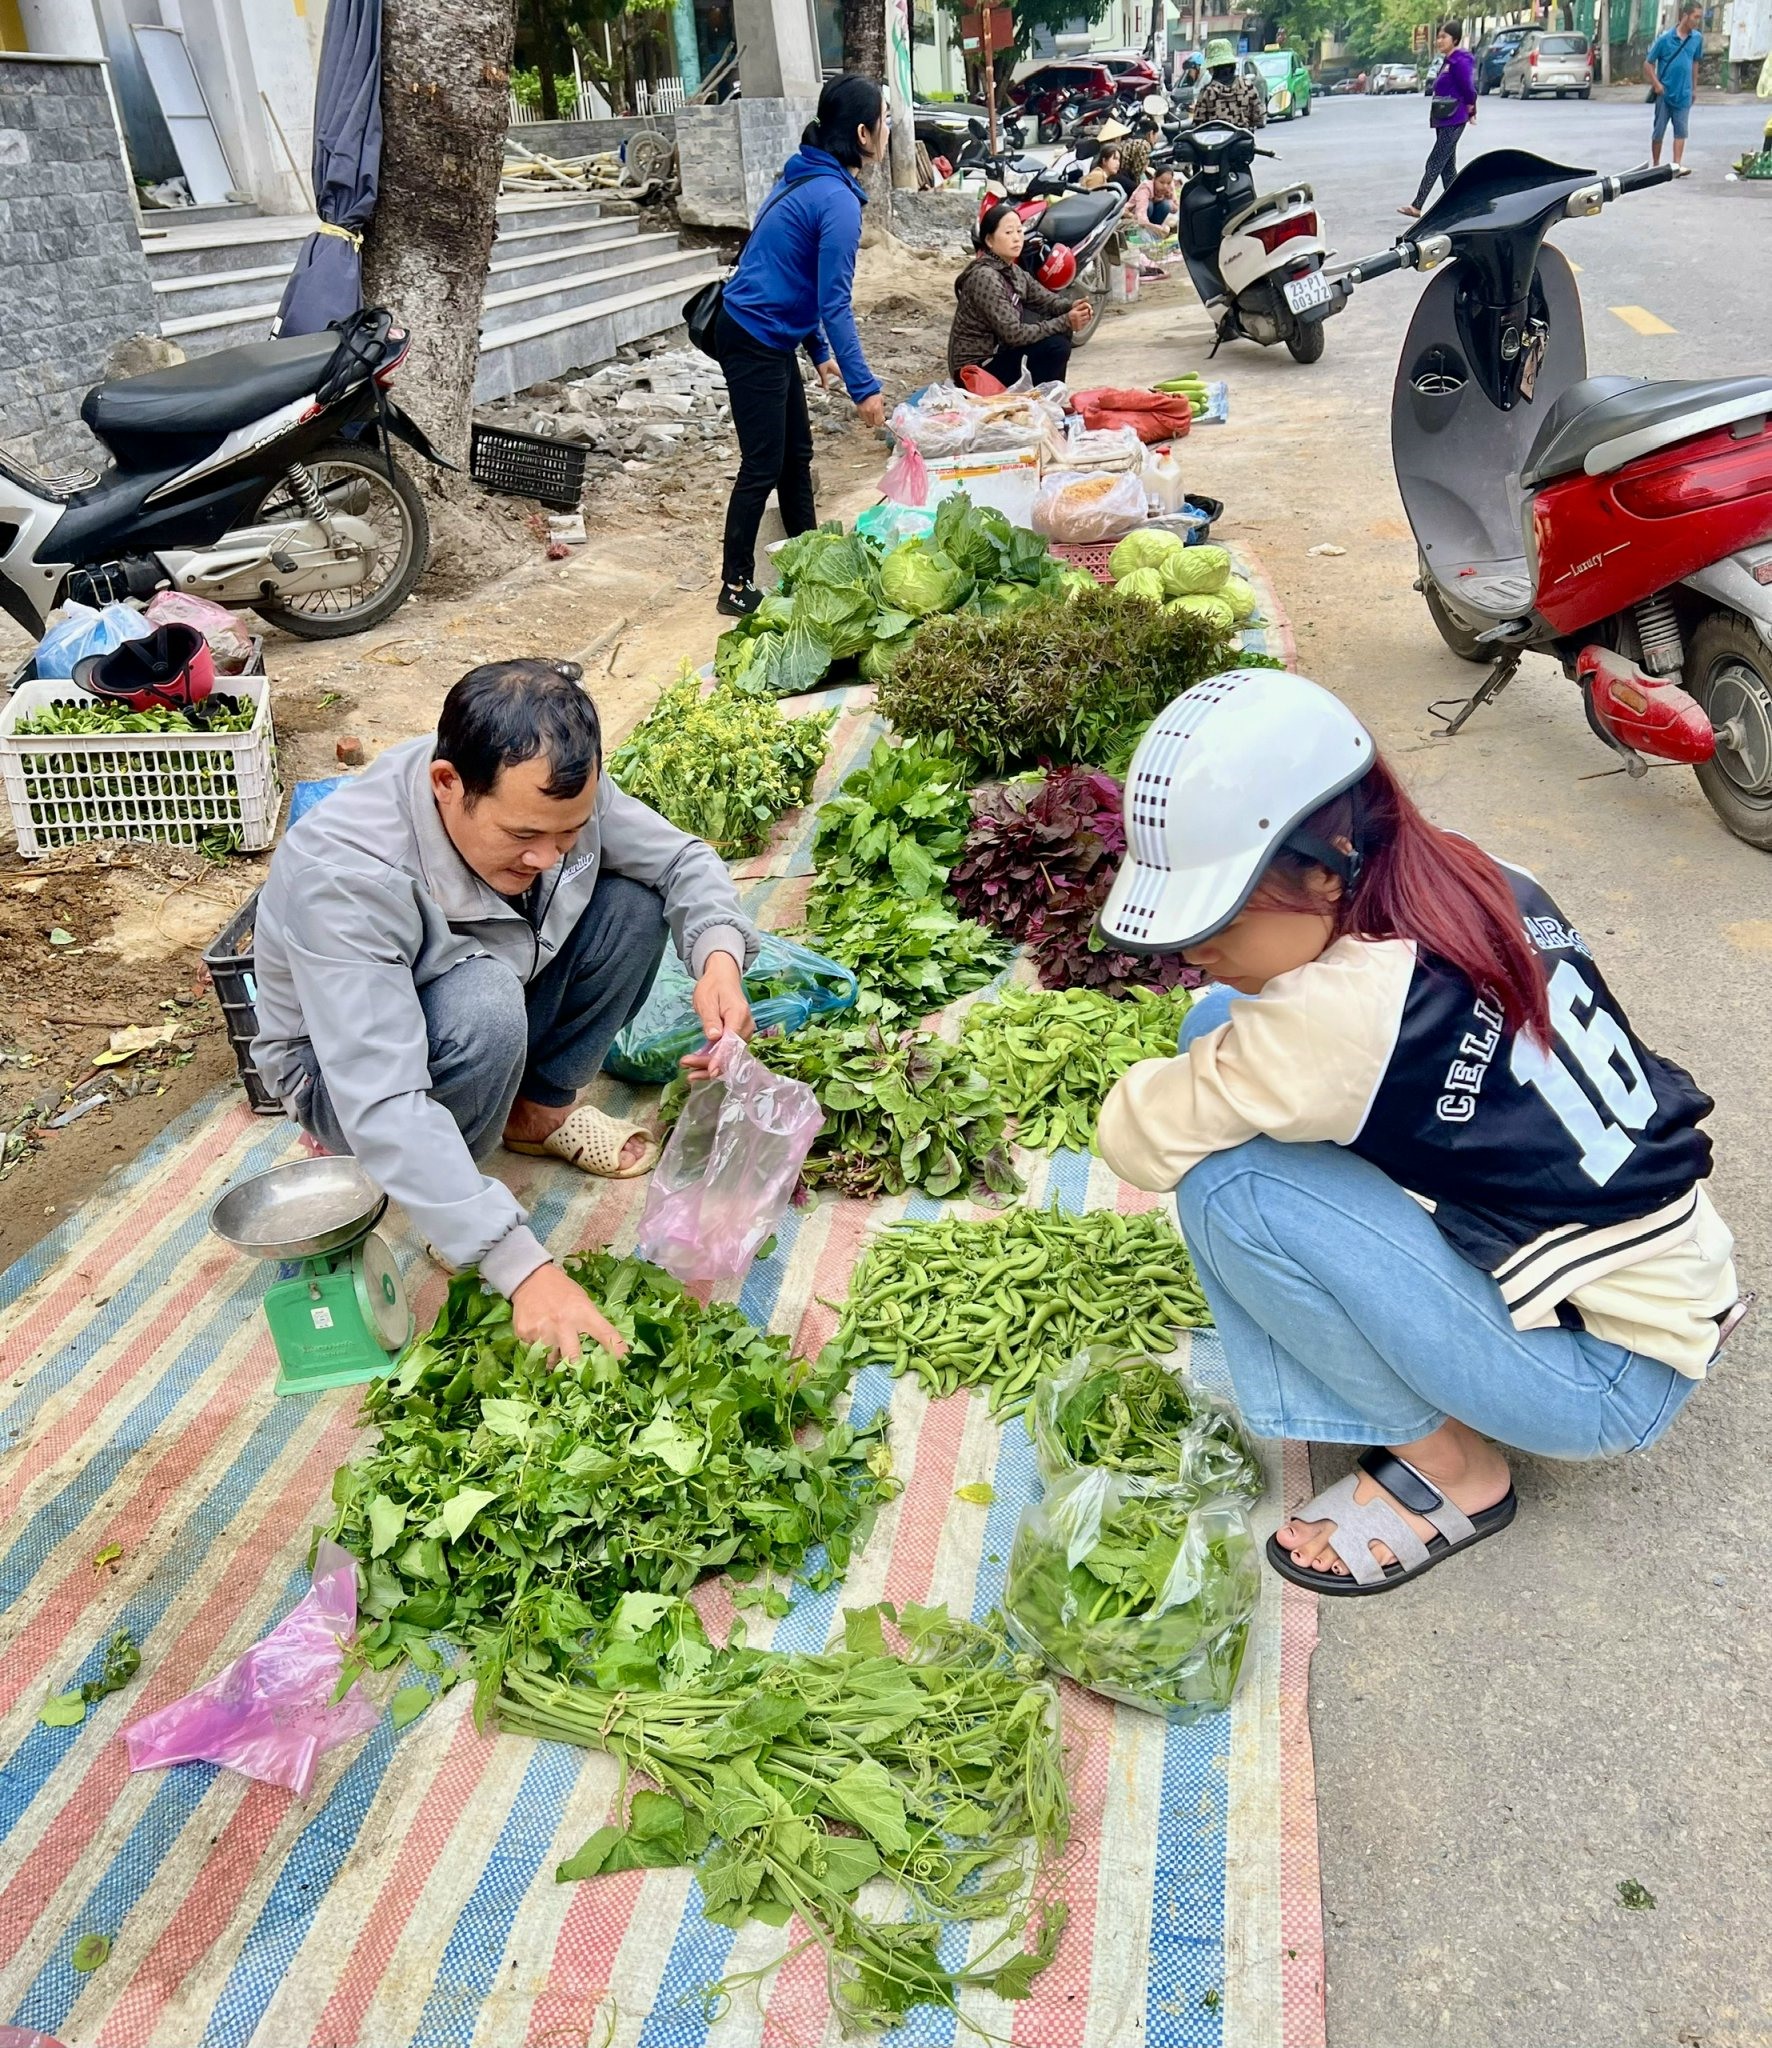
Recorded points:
(701, 314)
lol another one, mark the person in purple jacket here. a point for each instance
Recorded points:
(791, 290)
(1452, 110)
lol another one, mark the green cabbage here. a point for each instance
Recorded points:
(1074, 583)
(1239, 596)
(1148, 548)
(1145, 583)
(919, 579)
(1195, 570)
(1205, 605)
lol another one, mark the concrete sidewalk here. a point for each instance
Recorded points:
(1580, 1705)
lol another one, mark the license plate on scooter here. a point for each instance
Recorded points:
(1302, 293)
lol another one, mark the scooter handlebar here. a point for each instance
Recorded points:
(1642, 178)
(1397, 258)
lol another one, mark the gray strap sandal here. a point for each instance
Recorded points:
(1359, 1524)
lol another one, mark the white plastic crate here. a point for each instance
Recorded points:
(175, 787)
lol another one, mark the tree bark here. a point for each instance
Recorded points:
(445, 81)
(541, 24)
(864, 38)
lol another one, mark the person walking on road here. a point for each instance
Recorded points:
(1441, 1198)
(1225, 96)
(792, 290)
(1451, 111)
(1005, 318)
(1671, 68)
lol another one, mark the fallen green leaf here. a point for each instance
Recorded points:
(979, 1494)
(409, 1702)
(59, 937)
(67, 1710)
(1634, 1897)
(90, 1951)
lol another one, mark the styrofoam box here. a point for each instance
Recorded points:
(175, 787)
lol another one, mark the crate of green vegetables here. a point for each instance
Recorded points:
(77, 768)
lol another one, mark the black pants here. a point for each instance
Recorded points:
(1046, 361)
(1442, 163)
(774, 444)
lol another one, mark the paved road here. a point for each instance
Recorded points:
(1585, 1701)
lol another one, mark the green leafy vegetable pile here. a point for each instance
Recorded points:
(1155, 1610)
(905, 1110)
(998, 1300)
(1137, 1415)
(1051, 1056)
(509, 1505)
(1064, 680)
(910, 958)
(841, 596)
(724, 765)
(789, 1782)
(900, 819)
(219, 714)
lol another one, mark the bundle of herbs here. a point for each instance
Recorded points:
(902, 1110)
(1051, 1057)
(510, 1505)
(910, 957)
(1039, 862)
(1132, 1413)
(789, 1782)
(998, 1300)
(1067, 678)
(723, 764)
(215, 713)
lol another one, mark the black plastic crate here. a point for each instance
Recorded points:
(229, 961)
(529, 465)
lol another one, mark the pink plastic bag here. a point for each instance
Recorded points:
(229, 641)
(267, 1715)
(906, 481)
(729, 1171)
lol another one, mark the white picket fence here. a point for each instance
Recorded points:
(663, 98)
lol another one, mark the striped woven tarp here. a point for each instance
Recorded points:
(410, 1899)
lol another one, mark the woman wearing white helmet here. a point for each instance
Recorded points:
(1441, 1199)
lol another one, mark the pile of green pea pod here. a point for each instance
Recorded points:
(997, 1301)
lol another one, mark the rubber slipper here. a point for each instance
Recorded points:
(592, 1140)
(1361, 1523)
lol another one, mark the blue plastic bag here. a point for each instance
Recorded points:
(788, 985)
(82, 632)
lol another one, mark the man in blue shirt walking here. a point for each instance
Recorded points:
(1671, 68)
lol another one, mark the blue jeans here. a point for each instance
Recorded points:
(1308, 1253)
(1666, 113)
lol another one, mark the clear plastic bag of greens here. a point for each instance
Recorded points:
(788, 985)
(1134, 1414)
(1136, 1590)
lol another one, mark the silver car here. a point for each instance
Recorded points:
(1550, 63)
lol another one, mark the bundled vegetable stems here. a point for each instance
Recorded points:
(789, 1782)
(999, 1300)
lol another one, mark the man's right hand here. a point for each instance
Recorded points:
(1080, 315)
(551, 1308)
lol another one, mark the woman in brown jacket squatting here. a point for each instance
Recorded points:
(1006, 318)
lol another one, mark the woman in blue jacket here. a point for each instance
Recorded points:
(791, 290)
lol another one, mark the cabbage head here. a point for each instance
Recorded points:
(1074, 582)
(919, 579)
(1204, 605)
(1239, 596)
(1196, 570)
(1148, 548)
(1145, 583)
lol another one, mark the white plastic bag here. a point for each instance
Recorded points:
(1094, 448)
(1076, 509)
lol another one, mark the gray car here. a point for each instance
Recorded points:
(1550, 63)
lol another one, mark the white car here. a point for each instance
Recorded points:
(1549, 64)
(1393, 78)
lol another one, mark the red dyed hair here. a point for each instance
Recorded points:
(1417, 882)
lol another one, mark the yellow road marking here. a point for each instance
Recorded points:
(1640, 320)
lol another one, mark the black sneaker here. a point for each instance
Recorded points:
(738, 600)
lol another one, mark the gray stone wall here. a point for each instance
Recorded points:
(586, 138)
(728, 157)
(75, 279)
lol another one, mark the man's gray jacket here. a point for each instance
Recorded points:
(367, 902)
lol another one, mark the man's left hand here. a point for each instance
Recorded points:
(827, 373)
(720, 1004)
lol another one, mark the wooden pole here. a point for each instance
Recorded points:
(990, 70)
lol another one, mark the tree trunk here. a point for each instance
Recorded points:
(445, 81)
(864, 54)
(541, 23)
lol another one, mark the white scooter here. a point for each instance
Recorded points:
(1257, 262)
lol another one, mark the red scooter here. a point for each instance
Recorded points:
(1622, 526)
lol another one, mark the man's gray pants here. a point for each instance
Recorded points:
(492, 1039)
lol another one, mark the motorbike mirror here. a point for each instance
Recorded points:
(977, 130)
(1155, 105)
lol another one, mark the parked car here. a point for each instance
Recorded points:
(1286, 82)
(1394, 78)
(1130, 68)
(1055, 94)
(1493, 53)
(1549, 62)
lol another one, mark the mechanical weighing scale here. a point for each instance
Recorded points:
(343, 1316)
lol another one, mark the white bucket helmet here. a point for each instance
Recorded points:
(1221, 780)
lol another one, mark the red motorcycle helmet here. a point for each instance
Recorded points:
(172, 668)
(1059, 268)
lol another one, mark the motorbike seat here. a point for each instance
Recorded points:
(1602, 423)
(166, 416)
(1078, 215)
